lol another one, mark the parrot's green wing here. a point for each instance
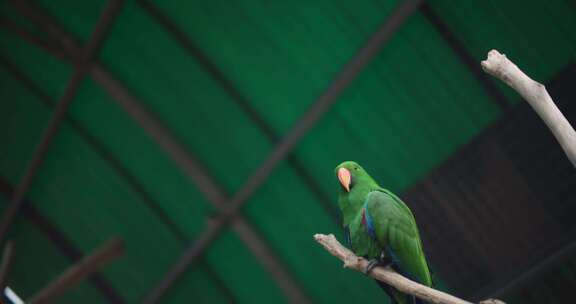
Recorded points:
(394, 227)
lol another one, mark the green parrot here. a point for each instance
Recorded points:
(381, 228)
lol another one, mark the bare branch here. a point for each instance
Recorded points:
(536, 95)
(388, 275)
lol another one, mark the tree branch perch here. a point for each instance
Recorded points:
(388, 275)
(536, 95)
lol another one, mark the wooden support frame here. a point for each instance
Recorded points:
(85, 55)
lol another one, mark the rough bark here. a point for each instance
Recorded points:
(390, 276)
(499, 66)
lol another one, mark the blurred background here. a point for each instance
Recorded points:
(158, 121)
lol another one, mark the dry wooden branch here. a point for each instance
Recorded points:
(388, 275)
(536, 95)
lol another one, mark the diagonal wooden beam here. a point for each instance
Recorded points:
(118, 168)
(87, 266)
(243, 103)
(465, 57)
(183, 158)
(28, 36)
(86, 54)
(60, 241)
(285, 146)
(205, 184)
(320, 106)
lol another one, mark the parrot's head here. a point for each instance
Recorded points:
(351, 175)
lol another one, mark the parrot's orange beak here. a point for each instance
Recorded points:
(345, 178)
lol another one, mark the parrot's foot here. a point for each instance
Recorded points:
(371, 264)
(381, 261)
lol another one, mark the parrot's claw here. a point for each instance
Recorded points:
(381, 261)
(371, 264)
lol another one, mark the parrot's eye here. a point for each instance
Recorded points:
(356, 168)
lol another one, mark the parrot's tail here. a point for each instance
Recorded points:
(397, 297)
